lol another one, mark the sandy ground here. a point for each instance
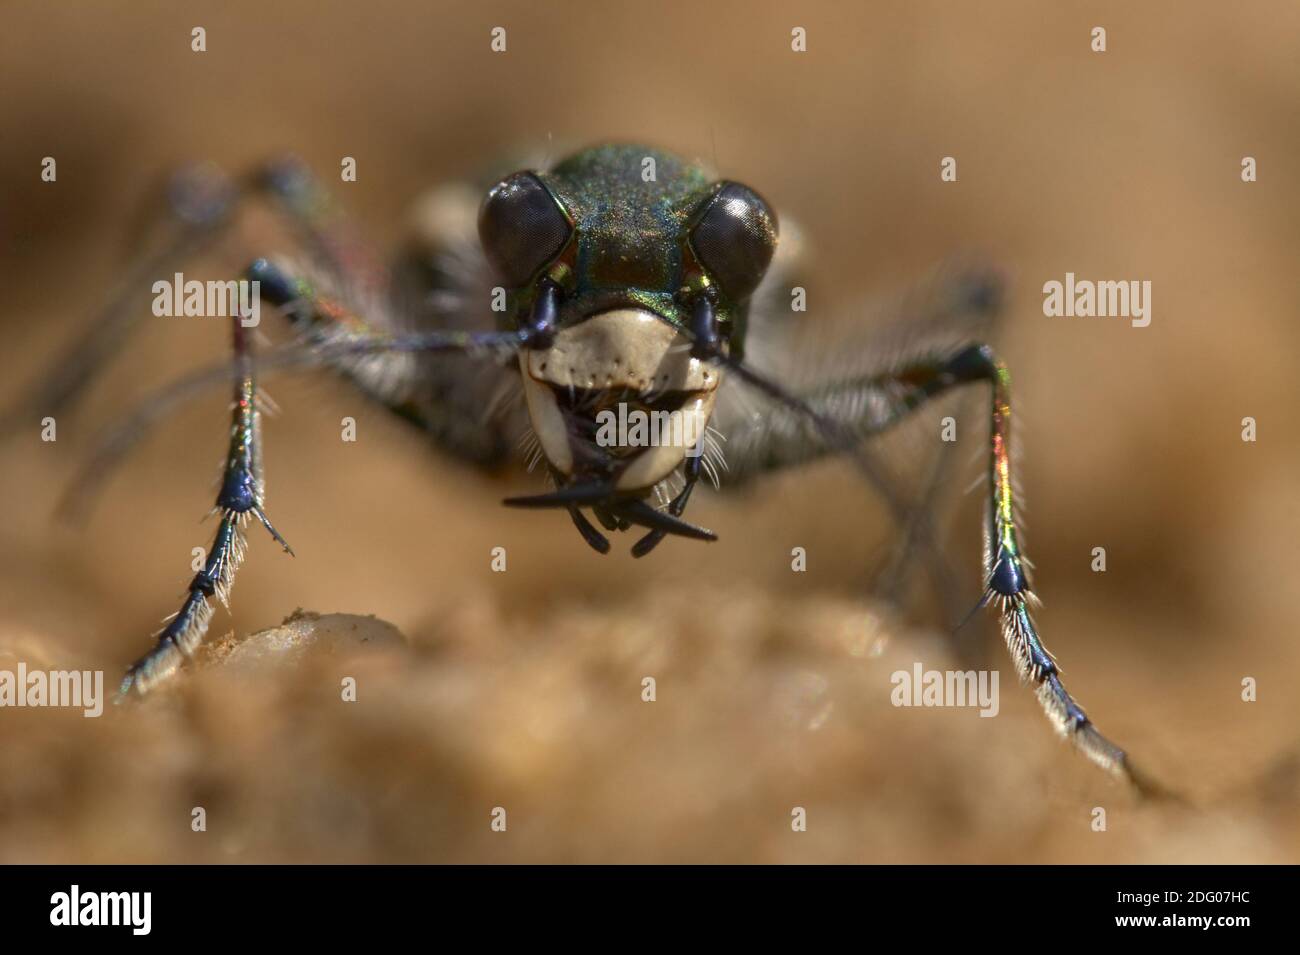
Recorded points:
(522, 690)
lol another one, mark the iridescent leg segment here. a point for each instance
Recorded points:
(242, 494)
(1006, 577)
(1006, 580)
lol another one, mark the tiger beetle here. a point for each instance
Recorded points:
(563, 294)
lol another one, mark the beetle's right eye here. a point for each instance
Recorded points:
(522, 228)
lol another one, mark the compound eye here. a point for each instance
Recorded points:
(734, 239)
(522, 227)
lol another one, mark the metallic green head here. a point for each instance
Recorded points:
(627, 226)
(631, 271)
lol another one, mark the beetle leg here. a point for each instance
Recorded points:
(332, 334)
(202, 202)
(1006, 578)
(242, 494)
(893, 582)
(340, 340)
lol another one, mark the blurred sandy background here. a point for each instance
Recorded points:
(522, 689)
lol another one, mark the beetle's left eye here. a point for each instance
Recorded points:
(734, 239)
(522, 227)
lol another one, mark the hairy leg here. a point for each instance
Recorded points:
(858, 384)
(1006, 580)
(242, 494)
(331, 334)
